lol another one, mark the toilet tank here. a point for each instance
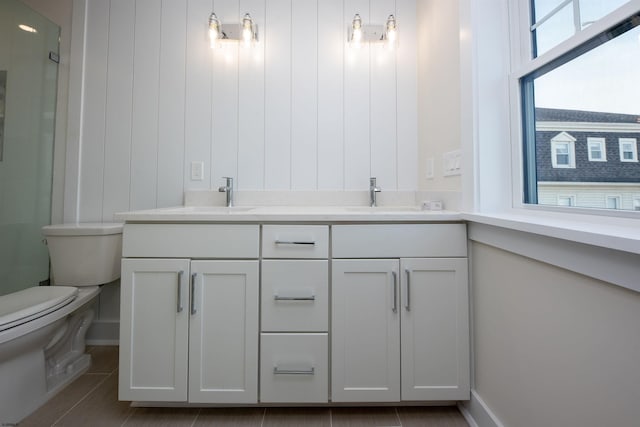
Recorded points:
(84, 254)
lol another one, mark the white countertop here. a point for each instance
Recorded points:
(289, 214)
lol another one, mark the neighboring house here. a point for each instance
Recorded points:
(588, 159)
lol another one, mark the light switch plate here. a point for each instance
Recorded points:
(451, 163)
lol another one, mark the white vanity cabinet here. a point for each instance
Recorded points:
(189, 326)
(400, 325)
(317, 313)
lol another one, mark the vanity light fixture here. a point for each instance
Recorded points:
(358, 33)
(246, 31)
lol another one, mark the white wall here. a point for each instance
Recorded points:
(438, 90)
(299, 111)
(552, 347)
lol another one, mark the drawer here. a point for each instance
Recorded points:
(295, 295)
(399, 240)
(294, 368)
(295, 241)
(191, 240)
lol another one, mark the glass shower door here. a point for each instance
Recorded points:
(28, 83)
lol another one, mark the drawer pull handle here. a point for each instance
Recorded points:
(295, 242)
(279, 371)
(180, 307)
(285, 298)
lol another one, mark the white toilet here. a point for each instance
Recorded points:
(42, 329)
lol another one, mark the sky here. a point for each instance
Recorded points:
(605, 79)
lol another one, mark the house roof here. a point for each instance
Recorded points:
(557, 115)
(611, 171)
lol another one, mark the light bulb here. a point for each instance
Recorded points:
(247, 29)
(391, 31)
(356, 34)
(214, 30)
(27, 28)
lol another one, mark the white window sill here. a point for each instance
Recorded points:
(621, 234)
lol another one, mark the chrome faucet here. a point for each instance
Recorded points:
(373, 189)
(228, 189)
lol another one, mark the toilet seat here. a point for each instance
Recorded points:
(27, 304)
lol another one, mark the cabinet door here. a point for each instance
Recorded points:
(435, 329)
(223, 352)
(154, 329)
(365, 330)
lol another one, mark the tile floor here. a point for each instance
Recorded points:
(92, 401)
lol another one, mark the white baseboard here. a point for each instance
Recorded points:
(477, 413)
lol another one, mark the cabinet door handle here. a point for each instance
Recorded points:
(408, 293)
(279, 371)
(295, 242)
(180, 307)
(395, 292)
(193, 294)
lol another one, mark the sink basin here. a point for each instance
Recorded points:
(383, 209)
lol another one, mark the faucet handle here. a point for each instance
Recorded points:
(228, 186)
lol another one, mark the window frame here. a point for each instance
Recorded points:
(570, 197)
(522, 64)
(602, 142)
(563, 138)
(634, 143)
(618, 201)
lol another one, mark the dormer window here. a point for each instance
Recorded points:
(563, 152)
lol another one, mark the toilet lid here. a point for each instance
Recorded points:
(20, 307)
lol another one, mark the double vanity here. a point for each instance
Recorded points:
(293, 305)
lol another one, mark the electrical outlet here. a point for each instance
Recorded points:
(429, 165)
(197, 171)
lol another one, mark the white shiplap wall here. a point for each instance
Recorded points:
(298, 111)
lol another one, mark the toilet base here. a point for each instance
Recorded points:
(36, 365)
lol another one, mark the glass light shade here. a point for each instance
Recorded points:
(214, 29)
(356, 33)
(391, 31)
(248, 33)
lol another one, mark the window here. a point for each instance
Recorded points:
(597, 149)
(557, 20)
(571, 100)
(613, 202)
(563, 151)
(628, 150)
(566, 200)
